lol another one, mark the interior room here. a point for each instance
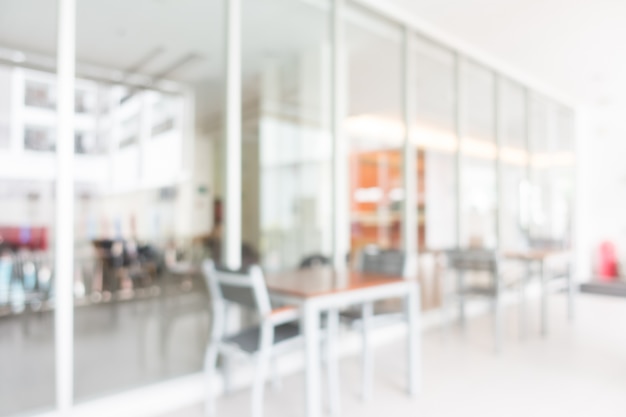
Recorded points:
(310, 207)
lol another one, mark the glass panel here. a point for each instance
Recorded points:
(437, 144)
(478, 168)
(375, 130)
(552, 173)
(286, 142)
(144, 188)
(27, 206)
(514, 198)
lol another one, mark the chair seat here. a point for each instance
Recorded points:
(248, 340)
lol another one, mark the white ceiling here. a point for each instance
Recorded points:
(574, 45)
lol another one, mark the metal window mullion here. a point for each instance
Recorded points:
(340, 191)
(527, 139)
(497, 81)
(409, 168)
(64, 224)
(231, 248)
(459, 128)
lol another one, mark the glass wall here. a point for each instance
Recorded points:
(434, 133)
(27, 205)
(286, 131)
(478, 157)
(514, 195)
(148, 142)
(552, 173)
(149, 102)
(375, 129)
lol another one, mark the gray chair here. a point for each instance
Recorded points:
(383, 262)
(484, 262)
(277, 332)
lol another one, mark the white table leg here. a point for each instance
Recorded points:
(544, 298)
(497, 311)
(367, 355)
(332, 360)
(310, 325)
(571, 291)
(522, 302)
(414, 346)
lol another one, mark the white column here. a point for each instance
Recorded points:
(340, 207)
(64, 248)
(231, 240)
(409, 168)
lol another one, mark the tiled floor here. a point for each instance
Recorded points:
(579, 370)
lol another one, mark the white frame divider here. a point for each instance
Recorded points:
(231, 245)
(459, 119)
(340, 191)
(64, 227)
(409, 166)
(497, 120)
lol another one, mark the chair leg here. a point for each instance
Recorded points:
(227, 370)
(210, 365)
(367, 357)
(262, 368)
(332, 364)
(522, 301)
(544, 299)
(210, 358)
(277, 382)
(571, 292)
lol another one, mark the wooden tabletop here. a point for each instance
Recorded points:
(323, 281)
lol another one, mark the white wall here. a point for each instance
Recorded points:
(601, 182)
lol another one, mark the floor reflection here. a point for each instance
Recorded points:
(126, 342)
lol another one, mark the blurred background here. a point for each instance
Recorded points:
(517, 127)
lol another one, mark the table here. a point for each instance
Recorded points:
(322, 290)
(540, 256)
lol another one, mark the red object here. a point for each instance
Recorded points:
(607, 261)
(34, 238)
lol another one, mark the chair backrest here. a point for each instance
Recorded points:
(314, 261)
(472, 259)
(390, 262)
(245, 288)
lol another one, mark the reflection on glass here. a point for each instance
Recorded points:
(375, 130)
(552, 173)
(437, 145)
(287, 144)
(478, 166)
(6, 78)
(143, 209)
(514, 186)
(27, 207)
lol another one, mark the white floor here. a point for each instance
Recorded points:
(578, 370)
